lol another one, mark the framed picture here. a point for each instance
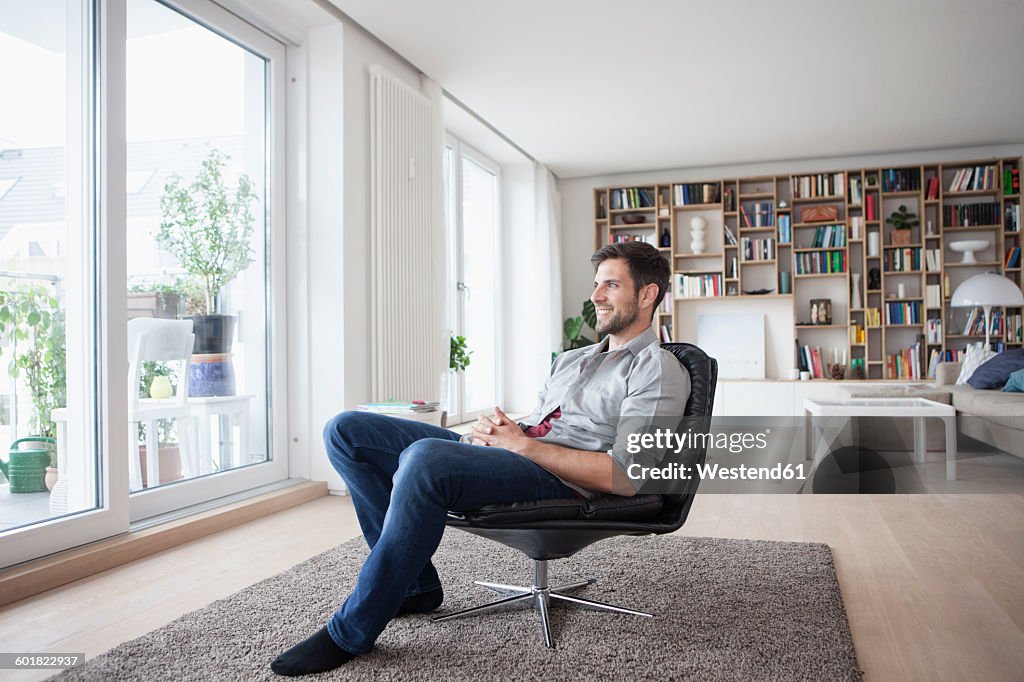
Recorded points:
(821, 311)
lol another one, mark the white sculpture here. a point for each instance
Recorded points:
(697, 226)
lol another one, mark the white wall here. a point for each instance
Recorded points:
(338, 61)
(578, 238)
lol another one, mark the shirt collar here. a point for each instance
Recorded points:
(634, 345)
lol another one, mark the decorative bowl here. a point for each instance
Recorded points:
(633, 219)
(968, 247)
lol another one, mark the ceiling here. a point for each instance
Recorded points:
(592, 87)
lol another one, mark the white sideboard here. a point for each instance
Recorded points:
(752, 397)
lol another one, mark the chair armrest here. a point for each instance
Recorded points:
(946, 373)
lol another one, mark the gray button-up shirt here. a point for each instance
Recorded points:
(604, 396)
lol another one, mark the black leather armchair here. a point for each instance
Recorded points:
(555, 529)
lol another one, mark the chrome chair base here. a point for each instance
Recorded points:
(540, 594)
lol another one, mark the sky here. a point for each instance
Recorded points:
(183, 82)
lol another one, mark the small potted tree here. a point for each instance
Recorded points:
(208, 227)
(902, 221)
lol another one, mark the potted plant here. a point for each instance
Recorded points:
(208, 227)
(33, 325)
(150, 299)
(458, 361)
(156, 380)
(902, 221)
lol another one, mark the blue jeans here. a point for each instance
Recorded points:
(404, 476)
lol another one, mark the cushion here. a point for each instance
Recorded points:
(1015, 384)
(974, 358)
(994, 372)
(602, 508)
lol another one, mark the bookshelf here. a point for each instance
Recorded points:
(806, 237)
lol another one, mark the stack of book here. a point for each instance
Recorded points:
(969, 215)
(829, 236)
(1013, 257)
(901, 180)
(906, 364)
(785, 229)
(1011, 181)
(757, 249)
(632, 197)
(698, 286)
(398, 407)
(819, 263)
(696, 193)
(1012, 222)
(905, 312)
(977, 178)
(761, 214)
(906, 259)
(820, 185)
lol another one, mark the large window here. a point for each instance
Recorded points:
(141, 172)
(474, 232)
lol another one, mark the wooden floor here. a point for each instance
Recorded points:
(933, 584)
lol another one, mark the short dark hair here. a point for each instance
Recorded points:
(646, 264)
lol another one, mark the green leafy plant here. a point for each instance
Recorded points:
(458, 358)
(573, 327)
(208, 226)
(902, 219)
(35, 331)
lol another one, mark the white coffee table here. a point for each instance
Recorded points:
(918, 408)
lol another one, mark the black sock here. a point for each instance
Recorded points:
(422, 603)
(315, 654)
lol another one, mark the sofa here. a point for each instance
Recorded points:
(991, 416)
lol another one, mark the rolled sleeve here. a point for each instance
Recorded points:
(659, 387)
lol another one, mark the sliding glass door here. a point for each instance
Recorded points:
(200, 114)
(128, 125)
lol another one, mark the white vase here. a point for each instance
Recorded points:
(873, 243)
(855, 300)
(697, 227)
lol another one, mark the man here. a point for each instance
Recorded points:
(404, 475)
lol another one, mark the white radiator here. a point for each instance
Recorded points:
(406, 310)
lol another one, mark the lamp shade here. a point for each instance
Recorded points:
(988, 289)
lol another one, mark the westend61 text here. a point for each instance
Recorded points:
(710, 472)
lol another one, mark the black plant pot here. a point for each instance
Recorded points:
(214, 333)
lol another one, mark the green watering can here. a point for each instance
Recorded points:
(26, 469)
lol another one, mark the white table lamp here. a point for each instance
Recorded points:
(986, 291)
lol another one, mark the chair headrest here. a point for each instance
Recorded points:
(703, 377)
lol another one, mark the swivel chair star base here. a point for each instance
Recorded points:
(540, 594)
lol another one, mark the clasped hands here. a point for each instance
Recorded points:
(499, 431)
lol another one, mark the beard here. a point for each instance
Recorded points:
(620, 318)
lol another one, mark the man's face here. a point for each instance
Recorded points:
(614, 297)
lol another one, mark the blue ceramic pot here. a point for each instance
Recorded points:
(211, 376)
